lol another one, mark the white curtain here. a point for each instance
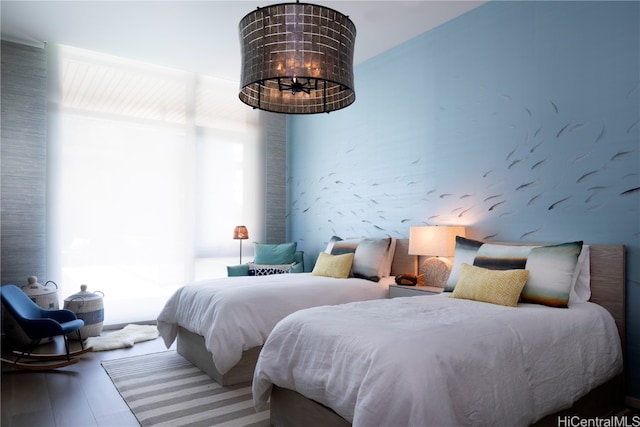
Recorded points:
(150, 170)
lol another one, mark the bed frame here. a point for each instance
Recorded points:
(191, 346)
(289, 408)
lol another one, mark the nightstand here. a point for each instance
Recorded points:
(412, 291)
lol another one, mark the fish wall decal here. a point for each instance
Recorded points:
(554, 205)
(533, 199)
(621, 154)
(599, 138)
(585, 176)
(493, 197)
(524, 186)
(529, 233)
(538, 164)
(630, 191)
(564, 128)
(496, 205)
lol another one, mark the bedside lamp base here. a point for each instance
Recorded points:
(436, 271)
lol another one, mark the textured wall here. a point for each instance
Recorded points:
(275, 183)
(24, 163)
(518, 119)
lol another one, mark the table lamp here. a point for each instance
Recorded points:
(438, 243)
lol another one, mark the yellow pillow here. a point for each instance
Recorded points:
(337, 266)
(501, 287)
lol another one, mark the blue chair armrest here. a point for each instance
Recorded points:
(243, 269)
(60, 316)
(297, 268)
(238, 270)
(298, 257)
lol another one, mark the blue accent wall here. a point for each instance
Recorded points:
(517, 119)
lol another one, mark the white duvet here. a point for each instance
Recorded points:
(234, 314)
(438, 361)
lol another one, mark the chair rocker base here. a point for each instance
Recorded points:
(42, 361)
(51, 356)
(38, 365)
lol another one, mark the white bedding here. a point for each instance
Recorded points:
(234, 314)
(435, 360)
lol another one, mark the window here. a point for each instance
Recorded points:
(151, 170)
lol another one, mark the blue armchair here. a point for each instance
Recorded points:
(38, 323)
(271, 254)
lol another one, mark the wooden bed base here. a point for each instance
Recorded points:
(290, 408)
(191, 346)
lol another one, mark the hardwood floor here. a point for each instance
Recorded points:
(79, 395)
(82, 395)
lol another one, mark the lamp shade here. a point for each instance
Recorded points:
(297, 58)
(240, 232)
(434, 240)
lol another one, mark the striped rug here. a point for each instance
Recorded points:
(164, 389)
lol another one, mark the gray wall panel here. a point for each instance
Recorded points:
(24, 162)
(274, 126)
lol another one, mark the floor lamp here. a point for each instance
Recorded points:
(240, 233)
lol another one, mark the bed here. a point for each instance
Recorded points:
(435, 360)
(221, 324)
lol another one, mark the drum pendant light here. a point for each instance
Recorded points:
(297, 58)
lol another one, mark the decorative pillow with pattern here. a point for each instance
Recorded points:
(268, 269)
(501, 287)
(334, 240)
(338, 246)
(465, 252)
(337, 266)
(551, 274)
(502, 257)
(581, 284)
(547, 265)
(373, 258)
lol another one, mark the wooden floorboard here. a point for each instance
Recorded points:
(77, 395)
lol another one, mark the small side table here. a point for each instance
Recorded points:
(412, 291)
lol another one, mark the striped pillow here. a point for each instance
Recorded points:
(502, 257)
(553, 269)
(465, 252)
(551, 274)
(372, 256)
(337, 246)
